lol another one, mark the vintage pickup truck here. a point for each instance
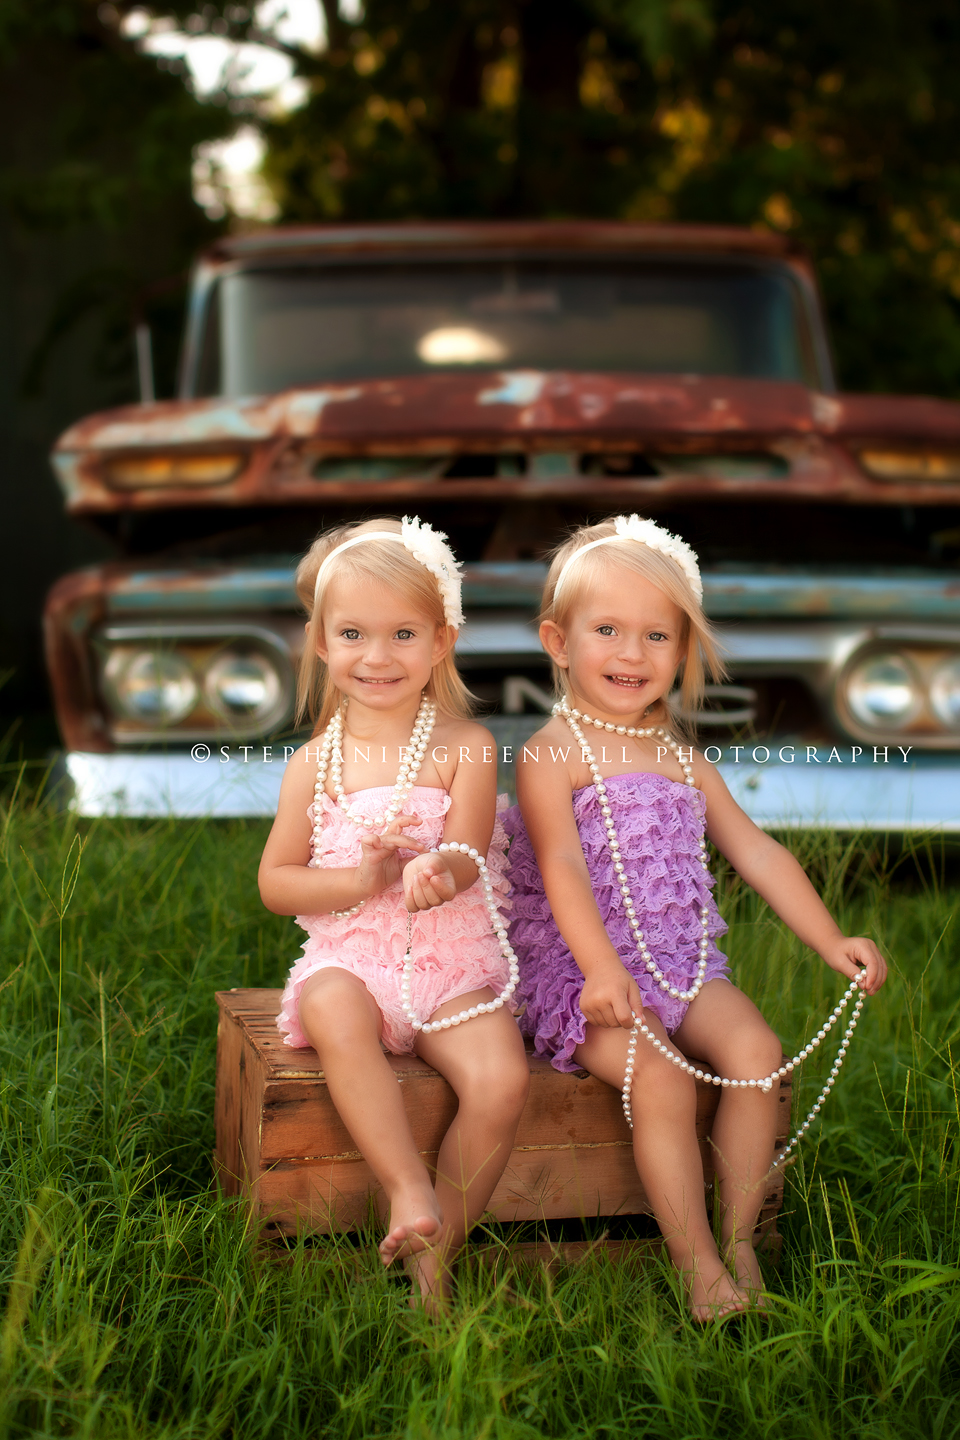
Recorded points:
(504, 380)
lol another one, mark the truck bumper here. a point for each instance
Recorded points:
(921, 793)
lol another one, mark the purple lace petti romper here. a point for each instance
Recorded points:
(659, 823)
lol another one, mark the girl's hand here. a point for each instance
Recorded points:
(380, 864)
(610, 997)
(857, 958)
(428, 881)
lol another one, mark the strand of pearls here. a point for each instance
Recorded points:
(635, 732)
(416, 748)
(764, 1084)
(454, 847)
(768, 1081)
(330, 759)
(573, 718)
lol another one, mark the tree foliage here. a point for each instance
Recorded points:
(834, 123)
(97, 230)
(96, 145)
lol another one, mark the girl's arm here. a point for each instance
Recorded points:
(778, 877)
(610, 996)
(289, 887)
(433, 879)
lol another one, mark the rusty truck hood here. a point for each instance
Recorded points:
(277, 438)
(524, 403)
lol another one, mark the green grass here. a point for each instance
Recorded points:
(136, 1304)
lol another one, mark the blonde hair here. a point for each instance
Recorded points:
(380, 562)
(698, 642)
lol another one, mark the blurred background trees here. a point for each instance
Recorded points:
(835, 123)
(97, 227)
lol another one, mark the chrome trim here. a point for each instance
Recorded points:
(194, 630)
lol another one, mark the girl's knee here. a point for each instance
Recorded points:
(755, 1054)
(660, 1084)
(511, 1081)
(500, 1087)
(333, 1005)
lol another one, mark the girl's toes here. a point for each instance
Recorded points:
(713, 1314)
(424, 1229)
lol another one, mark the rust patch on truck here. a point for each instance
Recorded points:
(504, 406)
(527, 412)
(74, 606)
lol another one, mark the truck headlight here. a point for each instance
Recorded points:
(158, 472)
(195, 680)
(155, 687)
(882, 690)
(945, 693)
(242, 685)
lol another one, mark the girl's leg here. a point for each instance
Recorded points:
(341, 1020)
(485, 1062)
(726, 1030)
(668, 1161)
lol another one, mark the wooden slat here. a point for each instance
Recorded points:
(251, 1119)
(226, 1106)
(299, 1118)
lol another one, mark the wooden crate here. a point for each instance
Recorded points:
(282, 1145)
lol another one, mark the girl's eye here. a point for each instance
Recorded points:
(350, 634)
(657, 635)
(606, 630)
(404, 635)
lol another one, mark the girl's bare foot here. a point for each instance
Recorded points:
(415, 1222)
(711, 1298)
(746, 1269)
(430, 1280)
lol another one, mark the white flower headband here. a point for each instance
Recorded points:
(425, 544)
(647, 533)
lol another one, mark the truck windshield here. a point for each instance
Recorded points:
(269, 329)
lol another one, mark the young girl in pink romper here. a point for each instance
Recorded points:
(396, 768)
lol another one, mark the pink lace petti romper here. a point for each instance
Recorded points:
(454, 947)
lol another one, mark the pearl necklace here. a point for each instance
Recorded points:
(500, 930)
(331, 758)
(572, 718)
(768, 1081)
(416, 748)
(640, 1027)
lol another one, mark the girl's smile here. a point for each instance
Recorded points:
(634, 682)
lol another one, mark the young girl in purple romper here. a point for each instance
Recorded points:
(613, 912)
